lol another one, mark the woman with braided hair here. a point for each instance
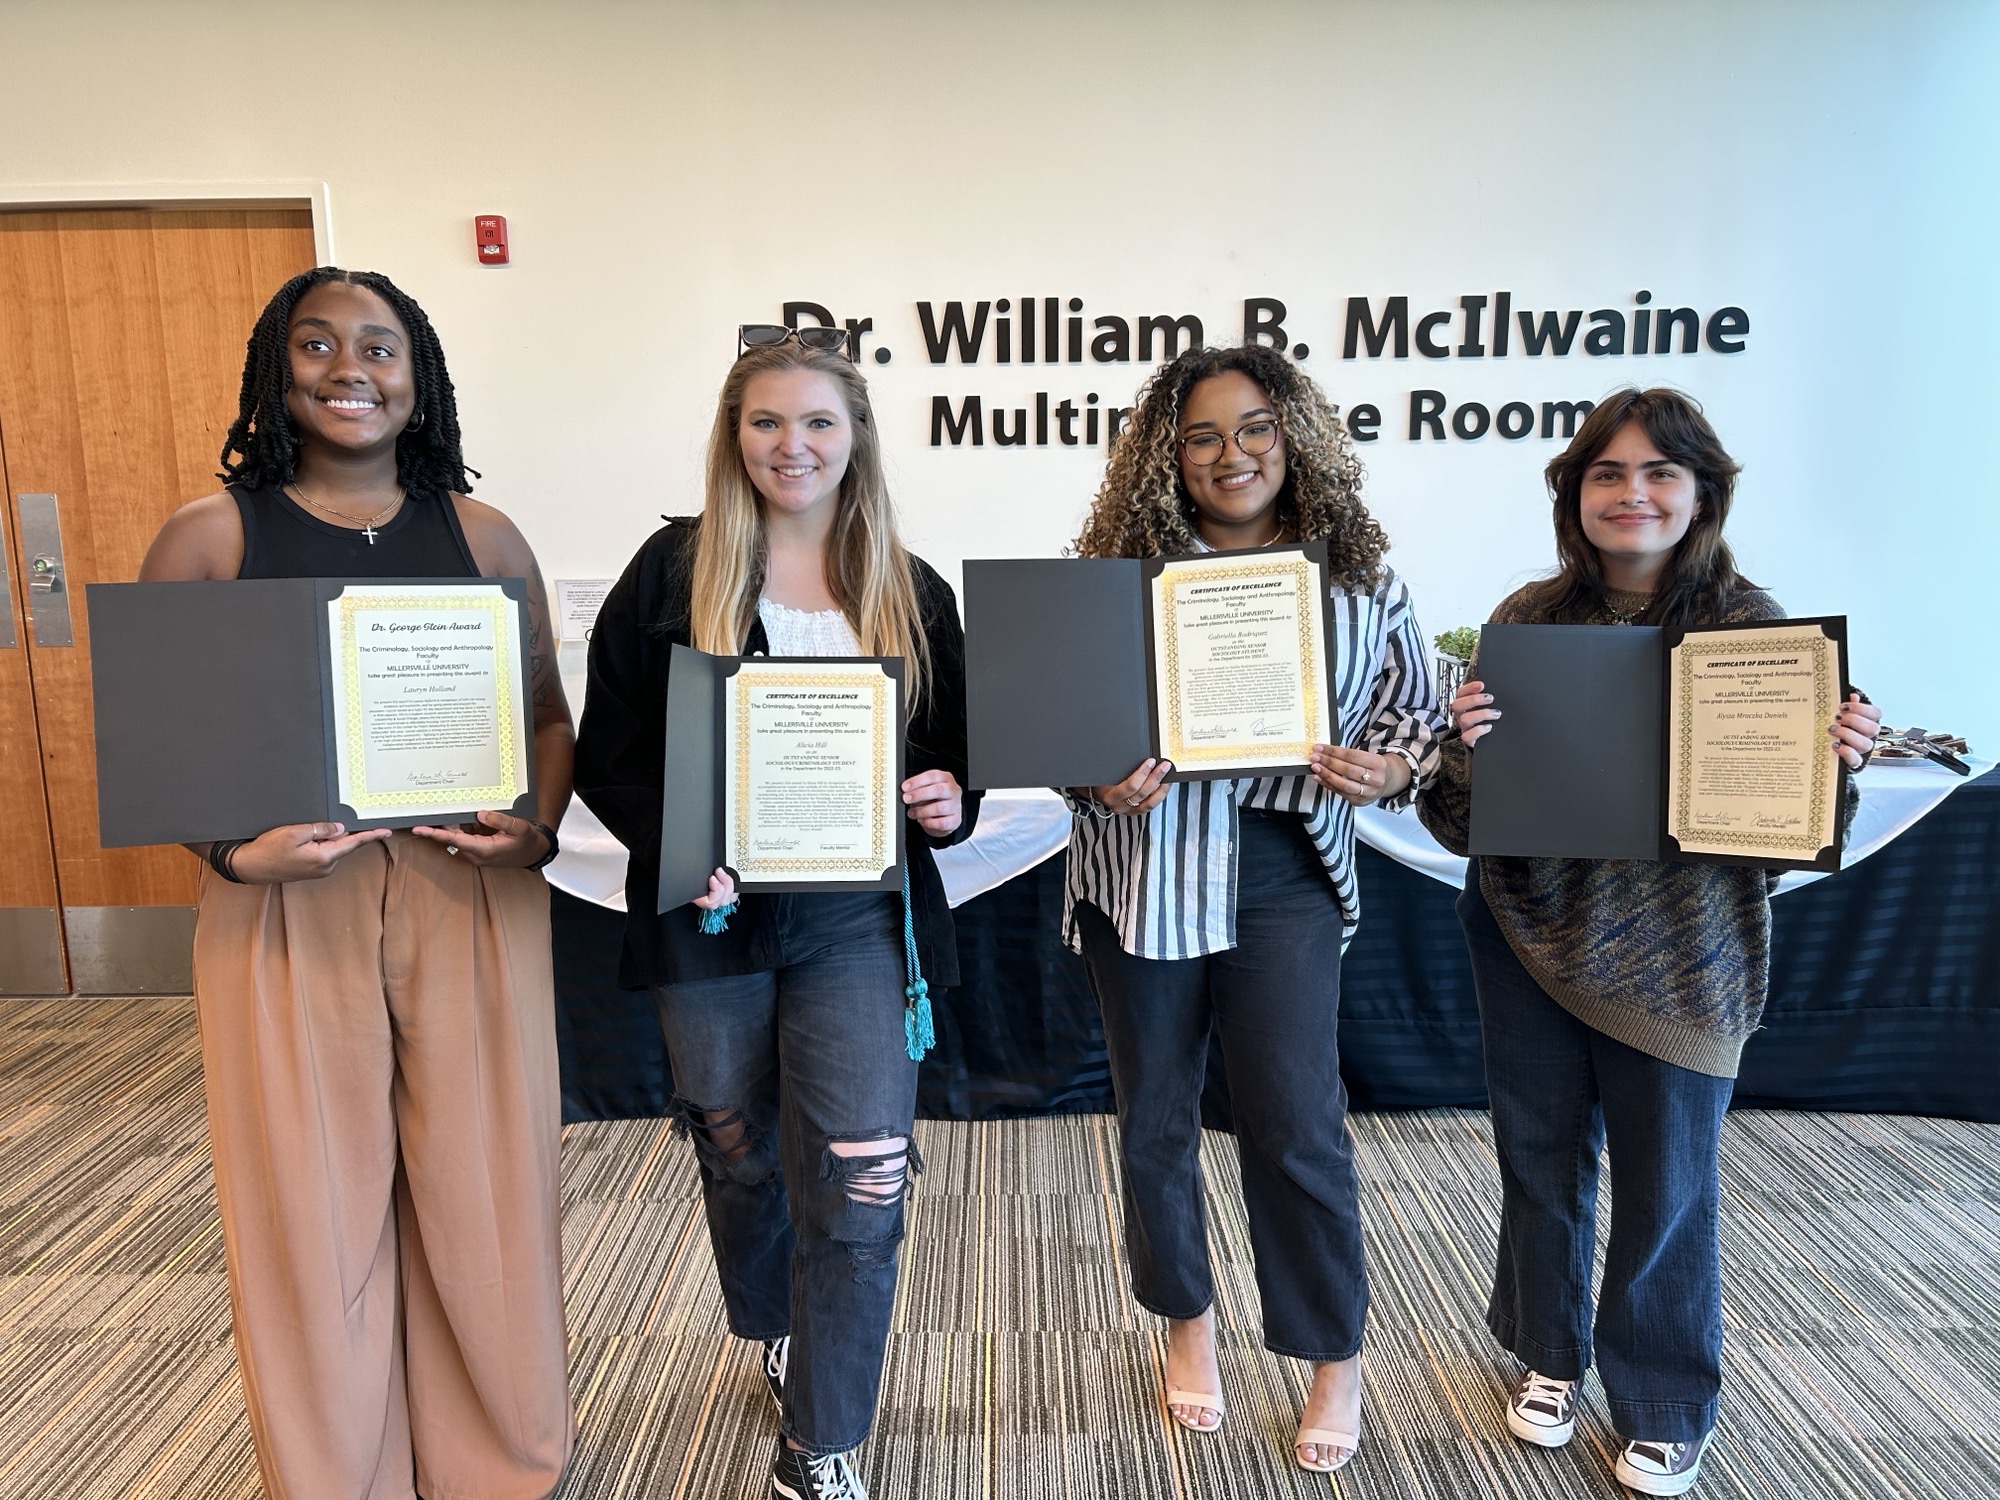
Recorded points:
(377, 1008)
(1223, 906)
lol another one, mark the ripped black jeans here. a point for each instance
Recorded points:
(798, 1094)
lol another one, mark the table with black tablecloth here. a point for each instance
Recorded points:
(1885, 994)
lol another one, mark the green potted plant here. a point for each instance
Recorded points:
(1454, 657)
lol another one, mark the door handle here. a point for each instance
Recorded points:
(8, 640)
(48, 594)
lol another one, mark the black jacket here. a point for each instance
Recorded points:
(620, 764)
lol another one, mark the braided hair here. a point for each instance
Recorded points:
(1143, 509)
(428, 460)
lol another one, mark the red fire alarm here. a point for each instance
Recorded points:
(489, 236)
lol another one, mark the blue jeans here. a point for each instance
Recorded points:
(1274, 998)
(772, 1071)
(1561, 1093)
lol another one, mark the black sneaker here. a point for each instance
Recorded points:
(776, 1353)
(800, 1476)
(1542, 1411)
(1660, 1468)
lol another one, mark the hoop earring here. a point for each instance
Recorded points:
(416, 422)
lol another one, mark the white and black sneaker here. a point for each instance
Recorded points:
(776, 1353)
(1543, 1411)
(1661, 1468)
(800, 1476)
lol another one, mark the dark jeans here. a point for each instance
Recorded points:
(1561, 1092)
(770, 1070)
(1274, 999)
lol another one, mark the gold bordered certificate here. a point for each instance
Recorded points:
(810, 755)
(1749, 771)
(430, 719)
(1239, 655)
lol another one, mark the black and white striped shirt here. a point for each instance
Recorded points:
(1167, 880)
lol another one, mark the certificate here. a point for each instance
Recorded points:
(1240, 644)
(811, 754)
(1748, 770)
(430, 717)
(227, 708)
(1078, 669)
(1704, 744)
(786, 771)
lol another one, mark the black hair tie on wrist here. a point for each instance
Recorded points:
(221, 857)
(555, 845)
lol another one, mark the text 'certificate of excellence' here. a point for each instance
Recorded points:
(810, 752)
(1239, 650)
(430, 718)
(1749, 772)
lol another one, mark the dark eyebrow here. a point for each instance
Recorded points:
(765, 411)
(373, 330)
(1255, 411)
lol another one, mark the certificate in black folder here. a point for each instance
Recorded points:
(227, 708)
(1078, 669)
(786, 771)
(1642, 742)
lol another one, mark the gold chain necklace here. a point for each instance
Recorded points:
(367, 526)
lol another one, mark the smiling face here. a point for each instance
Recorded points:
(1235, 495)
(1635, 506)
(353, 385)
(796, 436)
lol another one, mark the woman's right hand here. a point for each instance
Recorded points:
(721, 891)
(298, 851)
(1140, 792)
(1473, 712)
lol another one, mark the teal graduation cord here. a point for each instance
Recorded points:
(919, 1035)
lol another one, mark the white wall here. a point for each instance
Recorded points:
(671, 170)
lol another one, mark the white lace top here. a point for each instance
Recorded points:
(806, 632)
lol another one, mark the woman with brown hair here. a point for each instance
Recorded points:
(1224, 905)
(1615, 996)
(794, 1028)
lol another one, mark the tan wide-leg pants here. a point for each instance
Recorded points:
(384, 1112)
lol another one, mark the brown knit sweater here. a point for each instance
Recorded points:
(1673, 959)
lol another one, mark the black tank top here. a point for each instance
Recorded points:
(282, 539)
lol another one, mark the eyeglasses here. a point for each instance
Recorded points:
(1253, 439)
(770, 335)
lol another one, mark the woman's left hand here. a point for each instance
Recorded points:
(1854, 729)
(1359, 776)
(936, 801)
(513, 844)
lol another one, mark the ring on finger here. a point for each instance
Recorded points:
(451, 848)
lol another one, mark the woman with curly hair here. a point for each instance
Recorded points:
(1223, 905)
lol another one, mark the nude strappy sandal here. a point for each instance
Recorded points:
(1325, 1437)
(1206, 1400)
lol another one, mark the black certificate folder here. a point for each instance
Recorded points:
(785, 771)
(1064, 669)
(1702, 745)
(218, 716)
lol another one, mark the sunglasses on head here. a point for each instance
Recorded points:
(770, 335)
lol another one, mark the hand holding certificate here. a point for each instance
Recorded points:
(1634, 742)
(226, 709)
(1079, 669)
(784, 771)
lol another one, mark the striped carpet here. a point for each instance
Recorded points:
(1863, 1309)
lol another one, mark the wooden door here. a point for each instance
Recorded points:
(121, 352)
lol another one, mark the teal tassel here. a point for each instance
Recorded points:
(716, 919)
(918, 1034)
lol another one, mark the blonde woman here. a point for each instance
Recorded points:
(1223, 906)
(788, 1028)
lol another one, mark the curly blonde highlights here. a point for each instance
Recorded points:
(1142, 509)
